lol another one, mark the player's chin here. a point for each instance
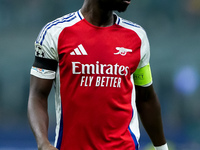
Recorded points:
(122, 8)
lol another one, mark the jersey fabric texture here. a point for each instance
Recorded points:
(93, 69)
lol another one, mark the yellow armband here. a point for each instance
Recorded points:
(142, 76)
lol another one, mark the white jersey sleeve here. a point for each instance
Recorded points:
(46, 55)
(46, 46)
(47, 41)
(145, 48)
(142, 75)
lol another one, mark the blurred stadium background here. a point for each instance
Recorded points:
(173, 28)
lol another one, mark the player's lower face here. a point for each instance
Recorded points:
(118, 5)
(122, 5)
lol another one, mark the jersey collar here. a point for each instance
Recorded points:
(116, 22)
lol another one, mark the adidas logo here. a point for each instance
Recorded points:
(79, 51)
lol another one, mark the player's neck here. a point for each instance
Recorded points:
(97, 16)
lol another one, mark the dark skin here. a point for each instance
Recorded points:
(95, 12)
(149, 110)
(37, 111)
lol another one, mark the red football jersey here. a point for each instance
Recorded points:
(93, 69)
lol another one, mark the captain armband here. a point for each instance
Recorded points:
(142, 76)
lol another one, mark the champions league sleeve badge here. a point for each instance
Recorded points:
(39, 52)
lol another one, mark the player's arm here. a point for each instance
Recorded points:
(43, 72)
(150, 113)
(37, 111)
(42, 76)
(149, 107)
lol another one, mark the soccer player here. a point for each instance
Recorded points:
(99, 64)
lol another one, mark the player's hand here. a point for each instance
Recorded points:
(47, 147)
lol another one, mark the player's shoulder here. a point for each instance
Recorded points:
(131, 25)
(63, 21)
(56, 26)
(128, 23)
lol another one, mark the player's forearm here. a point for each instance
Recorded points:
(38, 119)
(150, 114)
